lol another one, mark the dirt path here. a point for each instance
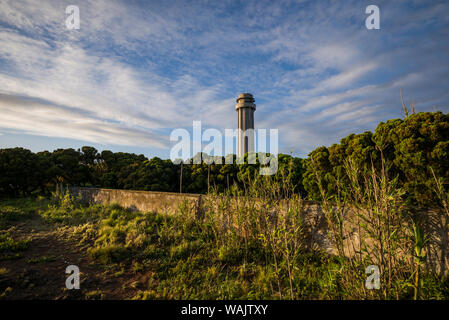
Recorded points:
(40, 271)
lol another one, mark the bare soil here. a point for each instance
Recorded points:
(39, 272)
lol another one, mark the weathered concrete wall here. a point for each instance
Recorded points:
(315, 223)
(145, 201)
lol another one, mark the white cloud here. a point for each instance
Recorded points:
(53, 121)
(346, 78)
(132, 70)
(68, 75)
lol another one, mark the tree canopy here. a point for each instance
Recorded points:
(410, 148)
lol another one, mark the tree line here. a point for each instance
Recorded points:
(407, 147)
(23, 172)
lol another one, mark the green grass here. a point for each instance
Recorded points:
(189, 262)
(27, 206)
(9, 213)
(19, 209)
(94, 295)
(10, 248)
(42, 259)
(234, 251)
(187, 258)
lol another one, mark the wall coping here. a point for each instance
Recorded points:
(142, 191)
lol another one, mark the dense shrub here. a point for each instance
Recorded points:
(410, 147)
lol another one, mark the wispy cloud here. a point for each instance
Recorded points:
(46, 119)
(136, 70)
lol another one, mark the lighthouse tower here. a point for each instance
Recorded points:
(245, 108)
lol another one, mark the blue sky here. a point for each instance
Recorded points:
(136, 70)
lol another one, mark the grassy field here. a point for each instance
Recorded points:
(232, 250)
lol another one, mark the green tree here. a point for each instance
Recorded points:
(18, 171)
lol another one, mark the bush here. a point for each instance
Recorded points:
(10, 213)
(410, 147)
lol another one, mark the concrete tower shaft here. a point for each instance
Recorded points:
(245, 108)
